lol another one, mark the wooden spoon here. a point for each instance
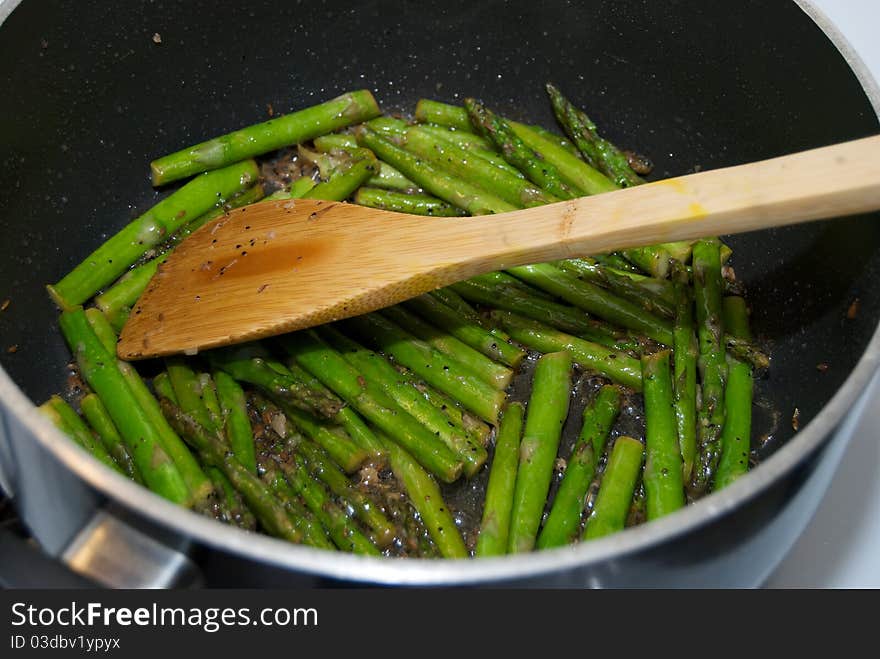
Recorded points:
(284, 265)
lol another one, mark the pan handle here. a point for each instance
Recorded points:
(116, 553)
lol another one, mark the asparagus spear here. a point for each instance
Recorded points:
(617, 261)
(335, 142)
(98, 367)
(502, 291)
(322, 361)
(116, 302)
(461, 162)
(466, 330)
(236, 422)
(345, 180)
(477, 429)
(454, 191)
(577, 174)
(622, 284)
(685, 353)
(390, 178)
(427, 499)
(595, 300)
(664, 486)
(597, 151)
(188, 392)
(475, 362)
(210, 398)
(271, 513)
(475, 145)
(495, 523)
(652, 259)
(557, 139)
(235, 510)
(414, 204)
(737, 430)
(434, 112)
(386, 177)
(162, 387)
(65, 418)
(279, 385)
(617, 366)
(548, 408)
(563, 522)
(382, 531)
(745, 351)
(711, 363)
(616, 489)
(295, 128)
(456, 302)
(516, 152)
(432, 366)
(116, 254)
(377, 369)
(391, 126)
(295, 190)
(99, 419)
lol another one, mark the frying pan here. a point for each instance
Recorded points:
(95, 89)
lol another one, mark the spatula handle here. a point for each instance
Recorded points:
(832, 181)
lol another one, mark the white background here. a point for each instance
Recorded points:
(841, 547)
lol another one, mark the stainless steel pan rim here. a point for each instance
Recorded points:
(438, 572)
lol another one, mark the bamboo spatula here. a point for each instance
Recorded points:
(284, 265)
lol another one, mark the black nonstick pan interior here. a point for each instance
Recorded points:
(95, 90)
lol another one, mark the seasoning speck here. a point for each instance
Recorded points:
(822, 367)
(5, 305)
(796, 420)
(157, 38)
(853, 310)
(12, 349)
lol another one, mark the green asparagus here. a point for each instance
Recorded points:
(547, 410)
(737, 431)
(664, 486)
(616, 489)
(295, 128)
(495, 523)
